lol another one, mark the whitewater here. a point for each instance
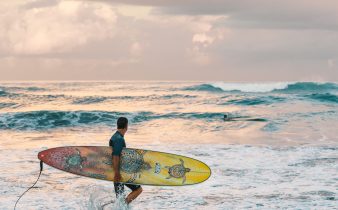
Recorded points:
(277, 148)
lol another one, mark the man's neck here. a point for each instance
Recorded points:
(121, 131)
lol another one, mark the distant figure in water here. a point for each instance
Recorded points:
(118, 143)
(227, 117)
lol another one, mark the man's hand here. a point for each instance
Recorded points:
(117, 177)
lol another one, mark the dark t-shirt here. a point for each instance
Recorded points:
(117, 142)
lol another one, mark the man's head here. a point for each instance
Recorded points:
(122, 125)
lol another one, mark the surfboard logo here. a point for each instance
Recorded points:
(132, 162)
(178, 171)
(74, 161)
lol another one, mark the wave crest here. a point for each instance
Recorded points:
(204, 87)
(282, 87)
(41, 120)
(300, 87)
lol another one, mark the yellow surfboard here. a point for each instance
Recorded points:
(137, 166)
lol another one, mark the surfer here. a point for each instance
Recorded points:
(118, 143)
(227, 117)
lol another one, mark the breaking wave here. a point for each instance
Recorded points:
(301, 87)
(205, 87)
(41, 120)
(279, 87)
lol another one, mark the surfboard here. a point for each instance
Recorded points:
(137, 166)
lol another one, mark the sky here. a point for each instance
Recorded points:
(214, 40)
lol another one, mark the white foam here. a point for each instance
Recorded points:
(252, 87)
(101, 198)
(242, 177)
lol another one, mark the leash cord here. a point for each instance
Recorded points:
(41, 167)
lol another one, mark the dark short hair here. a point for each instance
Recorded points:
(122, 123)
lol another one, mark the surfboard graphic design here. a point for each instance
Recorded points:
(137, 166)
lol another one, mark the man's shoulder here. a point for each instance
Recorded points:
(116, 136)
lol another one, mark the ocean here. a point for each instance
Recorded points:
(276, 148)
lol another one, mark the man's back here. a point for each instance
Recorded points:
(117, 142)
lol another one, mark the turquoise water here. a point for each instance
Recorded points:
(277, 148)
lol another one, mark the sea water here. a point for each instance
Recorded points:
(276, 148)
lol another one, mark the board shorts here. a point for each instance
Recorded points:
(119, 187)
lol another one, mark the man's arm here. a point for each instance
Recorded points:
(116, 166)
(117, 150)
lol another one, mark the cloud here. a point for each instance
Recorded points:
(56, 28)
(190, 40)
(135, 49)
(295, 14)
(202, 38)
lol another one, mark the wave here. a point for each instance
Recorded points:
(46, 119)
(29, 89)
(7, 105)
(266, 100)
(34, 89)
(10, 92)
(98, 99)
(326, 97)
(3, 93)
(308, 87)
(170, 96)
(279, 87)
(204, 87)
(90, 100)
(38, 120)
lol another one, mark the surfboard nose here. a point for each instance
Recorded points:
(40, 155)
(206, 171)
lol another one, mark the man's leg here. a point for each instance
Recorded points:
(119, 189)
(136, 191)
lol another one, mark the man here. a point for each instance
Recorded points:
(118, 143)
(227, 117)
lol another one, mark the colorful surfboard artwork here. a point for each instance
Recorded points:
(137, 166)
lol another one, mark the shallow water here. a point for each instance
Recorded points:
(278, 149)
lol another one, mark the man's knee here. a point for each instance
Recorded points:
(139, 190)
